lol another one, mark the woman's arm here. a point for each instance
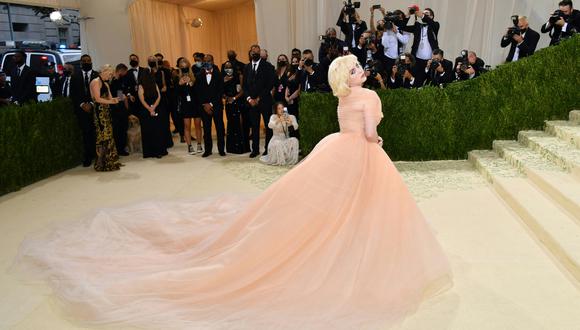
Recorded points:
(164, 88)
(141, 93)
(96, 93)
(294, 122)
(274, 121)
(372, 116)
(156, 104)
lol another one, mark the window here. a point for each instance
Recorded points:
(41, 63)
(63, 36)
(8, 63)
(20, 27)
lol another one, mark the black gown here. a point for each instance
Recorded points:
(153, 136)
(293, 109)
(235, 136)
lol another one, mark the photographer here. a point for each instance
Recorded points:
(425, 40)
(350, 23)
(563, 23)
(374, 73)
(329, 40)
(439, 70)
(360, 51)
(393, 40)
(403, 73)
(522, 39)
(468, 66)
(310, 72)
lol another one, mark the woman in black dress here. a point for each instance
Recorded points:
(153, 135)
(281, 78)
(161, 80)
(107, 157)
(188, 107)
(292, 92)
(232, 94)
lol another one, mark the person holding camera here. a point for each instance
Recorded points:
(439, 70)
(283, 149)
(522, 38)
(393, 40)
(374, 73)
(360, 51)
(563, 23)
(425, 37)
(350, 24)
(468, 66)
(310, 72)
(404, 73)
(329, 41)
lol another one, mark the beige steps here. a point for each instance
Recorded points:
(554, 181)
(554, 149)
(556, 230)
(565, 130)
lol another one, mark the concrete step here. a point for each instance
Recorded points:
(553, 149)
(551, 226)
(554, 181)
(566, 131)
(574, 116)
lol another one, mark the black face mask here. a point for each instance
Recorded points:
(282, 63)
(232, 58)
(160, 63)
(134, 63)
(256, 57)
(87, 67)
(184, 70)
(294, 66)
(152, 65)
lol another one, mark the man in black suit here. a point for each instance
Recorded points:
(439, 70)
(310, 72)
(522, 44)
(209, 88)
(351, 26)
(425, 39)
(259, 80)
(84, 106)
(132, 84)
(22, 80)
(404, 73)
(469, 66)
(63, 82)
(565, 23)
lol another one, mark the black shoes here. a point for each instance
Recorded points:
(87, 163)
(123, 153)
(254, 154)
(206, 154)
(222, 153)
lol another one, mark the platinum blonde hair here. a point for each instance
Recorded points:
(107, 68)
(339, 73)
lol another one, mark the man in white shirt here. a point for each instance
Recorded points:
(425, 39)
(523, 43)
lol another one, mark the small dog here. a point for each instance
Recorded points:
(134, 135)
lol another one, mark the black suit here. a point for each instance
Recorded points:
(206, 94)
(348, 31)
(557, 33)
(259, 84)
(310, 82)
(527, 47)
(80, 93)
(432, 32)
(435, 78)
(132, 87)
(478, 67)
(23, 85)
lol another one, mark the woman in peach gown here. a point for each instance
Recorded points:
(337, 243)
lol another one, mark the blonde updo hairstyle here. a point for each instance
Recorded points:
(106, 69)
(339, 73)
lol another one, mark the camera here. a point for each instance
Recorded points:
(391, 19)
(402, 66)
(434, 65)
(556, 17)
(370, 40)
(464, 60)
(515, 29)
(350, 7)
(413, 9)
(308, 62)
(373, 66)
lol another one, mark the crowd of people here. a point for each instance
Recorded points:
(195, 96)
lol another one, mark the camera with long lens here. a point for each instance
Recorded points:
(350, 8)
(413, 9)
(434, 65)
(308, 62)
(515, 29)
(391, 20)
(373, 67)
(556, 17)
(464, 60)
(402, 66)
(372, 39)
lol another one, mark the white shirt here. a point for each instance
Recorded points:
(424, 51)
(21, 68)
(136, 74)
(208, 77)
(67, 84)
(517, 51)
(353, 36)
(257, 65)
(390, 42)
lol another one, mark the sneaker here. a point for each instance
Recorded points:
(199, 149)
(190, 150)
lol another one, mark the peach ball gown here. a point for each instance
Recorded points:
(336, 243)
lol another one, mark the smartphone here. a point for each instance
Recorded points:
(375, 7)
(345, 50)
(285, 111)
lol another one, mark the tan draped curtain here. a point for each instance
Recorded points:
(166, 28)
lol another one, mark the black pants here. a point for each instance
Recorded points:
(87, 126)
(235, 137)
(420, 72)
(264, 110)
(388, 64)
(172, 109)
(164, 114)
(152, 137)
(217, 117)
(246, 125)
(120, 118)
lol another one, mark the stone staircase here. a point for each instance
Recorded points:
(538, 177)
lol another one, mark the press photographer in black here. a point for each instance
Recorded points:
(563, 23)
(374, 73)
(328, 41)
(350, 23)
(360, 51)
(439, 70)
(521, 37)
(468, 65)
(310, 72)
(404, 73)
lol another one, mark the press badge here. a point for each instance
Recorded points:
(188, 98)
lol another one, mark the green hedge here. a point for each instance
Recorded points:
(434, 123)
(37, 141)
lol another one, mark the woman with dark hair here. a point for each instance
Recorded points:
(153, 135)
(232, 94)
(281, 78)
(292, 91)
(161, 79)
(282, 149)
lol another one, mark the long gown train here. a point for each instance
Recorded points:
(336, 243)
